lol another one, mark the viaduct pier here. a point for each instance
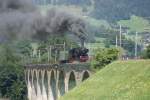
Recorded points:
(49, 82)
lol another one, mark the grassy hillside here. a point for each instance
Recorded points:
(122, 80)
(136, 23)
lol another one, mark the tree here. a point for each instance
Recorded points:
(24, 47)
(12, 84)
(104, 57)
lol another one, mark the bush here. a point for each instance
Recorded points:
(104, 57)
(146, 53)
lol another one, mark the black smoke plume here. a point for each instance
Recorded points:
(19, 19)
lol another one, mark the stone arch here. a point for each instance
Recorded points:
(29, 86)
(53, 85)
(85, 75)
(61, 83)
(35, 81)
(26, 76)
(40, 82)
(30, 77)
(45, 89)
(72, 80)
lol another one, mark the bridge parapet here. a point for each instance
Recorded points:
(65, 67)
(49, 82)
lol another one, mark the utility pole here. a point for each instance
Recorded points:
(56, 52)
(127, 32)
(116, 41)
(65, 50)
(136, 44)
(49, 53)
(31, 56)
(120, 36)
(39, 55)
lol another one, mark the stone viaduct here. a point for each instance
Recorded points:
(49, 82)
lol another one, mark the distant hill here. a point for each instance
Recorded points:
(121, 80)
(113, 10)
(110, 10)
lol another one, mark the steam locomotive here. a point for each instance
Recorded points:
(77, 55)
